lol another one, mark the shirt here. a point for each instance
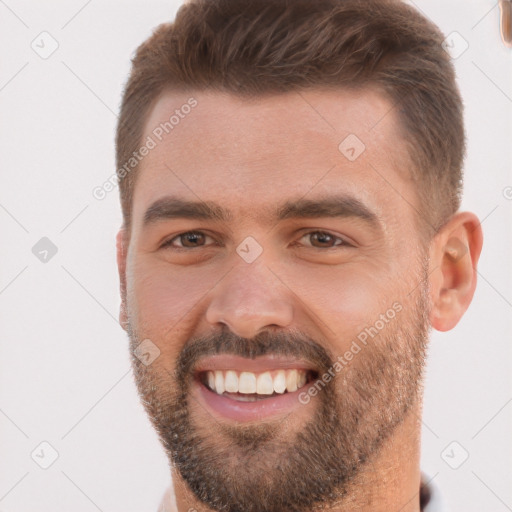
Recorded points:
(434, 501)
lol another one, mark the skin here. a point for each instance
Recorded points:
(249, 157)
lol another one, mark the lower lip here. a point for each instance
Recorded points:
(262, 409)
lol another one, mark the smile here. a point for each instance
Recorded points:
(244, 389)
(249, 386)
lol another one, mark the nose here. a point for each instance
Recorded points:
(249, 299)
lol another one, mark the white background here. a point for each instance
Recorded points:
(64, 368)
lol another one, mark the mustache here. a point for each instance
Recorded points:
(290, 344)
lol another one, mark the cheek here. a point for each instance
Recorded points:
(163, 306)
(343, 295)
(162, 297)
(345, 301)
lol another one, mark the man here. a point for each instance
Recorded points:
(290, 177)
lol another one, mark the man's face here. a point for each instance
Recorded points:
(292, 323)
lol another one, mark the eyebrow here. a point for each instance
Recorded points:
(167, 208)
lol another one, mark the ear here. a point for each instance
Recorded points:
(122, 250)
(454, 254)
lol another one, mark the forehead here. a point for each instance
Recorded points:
(250, 155)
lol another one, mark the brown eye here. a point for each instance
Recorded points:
(324, 240)
(192, 239)
(187, 240)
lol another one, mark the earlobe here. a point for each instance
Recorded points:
(454, 257)
(121, 251)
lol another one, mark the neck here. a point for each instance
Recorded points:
(390, 481)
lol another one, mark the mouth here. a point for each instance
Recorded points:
(247, 386)
(244, 389)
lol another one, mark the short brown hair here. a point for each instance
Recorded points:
(256, 47)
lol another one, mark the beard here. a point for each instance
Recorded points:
(270, 466)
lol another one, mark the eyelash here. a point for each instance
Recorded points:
(344, 242)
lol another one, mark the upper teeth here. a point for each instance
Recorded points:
(264, 383)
